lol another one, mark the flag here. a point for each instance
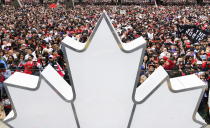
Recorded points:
(194, 34)
(53, 5)
(60, 70)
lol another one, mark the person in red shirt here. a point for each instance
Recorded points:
(28, 66)
(206, 65)
(168, 65)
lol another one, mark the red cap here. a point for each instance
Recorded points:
(165, 58)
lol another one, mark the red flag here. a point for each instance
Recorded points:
(53, 5)
(60, 70)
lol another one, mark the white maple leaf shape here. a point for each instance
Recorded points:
(43, 101)
(104, 74)
(103, 78)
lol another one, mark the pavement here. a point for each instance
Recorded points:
(4, 126)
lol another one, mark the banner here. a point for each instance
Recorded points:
(193, 33)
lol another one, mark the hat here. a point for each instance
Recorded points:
(23, 45)
(187, 43)
(188, 46)
(2, 66)
(165, 58)
(196, 44)
(176, 39)
(175, 54)
(151, 65)
(51, 56)
(201, 73)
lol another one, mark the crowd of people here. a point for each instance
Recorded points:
(166, 46)
(31, 36)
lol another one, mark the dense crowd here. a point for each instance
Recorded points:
(30, 37)
(166, 46)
